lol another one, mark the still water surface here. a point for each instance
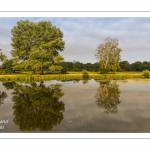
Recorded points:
(75, 106)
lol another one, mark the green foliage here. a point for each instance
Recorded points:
(104, 71)
(125, 66)
(8, 66)
(108, 55)
(146, 74)
(2, 56)
(76, 66)
(136, 66)
(55, 68)
(36, 44)
(64, 67)
(85, 74)
(57, 60)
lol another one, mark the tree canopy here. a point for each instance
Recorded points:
(37, 45)
(108, 55)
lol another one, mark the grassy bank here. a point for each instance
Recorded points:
(70, 76)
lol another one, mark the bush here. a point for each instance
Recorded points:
(103, 72)
(8, 66)
(85, 74)
(146, 74)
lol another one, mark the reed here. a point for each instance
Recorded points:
(37, 77)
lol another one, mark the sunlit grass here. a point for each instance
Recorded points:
(27, 77)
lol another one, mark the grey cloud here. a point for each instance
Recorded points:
(83, 35)
(130, 32)
(5, 40)
(4, 32)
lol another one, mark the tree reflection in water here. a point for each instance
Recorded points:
(9, 85)
(107, 96)
(76, 80)
(85, 81)
(37, 106)
(3, 95)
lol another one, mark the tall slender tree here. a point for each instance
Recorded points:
(108, 55)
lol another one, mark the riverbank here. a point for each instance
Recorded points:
(70, 76)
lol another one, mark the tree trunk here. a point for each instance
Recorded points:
(41, 70)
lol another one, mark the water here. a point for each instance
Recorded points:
(80, 106)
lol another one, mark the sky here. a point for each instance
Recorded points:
(82, 35)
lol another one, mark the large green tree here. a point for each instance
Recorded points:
(108, 55)
(37, 45)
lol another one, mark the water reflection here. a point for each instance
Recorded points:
(76, 80)
(9, 85)
(107, 96)
(3, 95)
(37, 107)
(85, 81)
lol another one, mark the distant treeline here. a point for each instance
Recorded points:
(77, 66)
(124, 66)
(136, 66)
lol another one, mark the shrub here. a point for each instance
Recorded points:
(146, 74)
(85, 74)
(8, 66)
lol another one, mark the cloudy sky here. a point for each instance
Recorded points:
(83, 35)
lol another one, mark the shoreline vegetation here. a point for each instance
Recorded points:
(28, 77)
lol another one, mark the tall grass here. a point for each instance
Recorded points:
(29, 77)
